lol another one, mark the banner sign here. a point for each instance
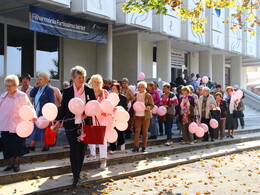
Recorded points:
(45, 21)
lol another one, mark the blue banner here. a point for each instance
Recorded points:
(45, 21)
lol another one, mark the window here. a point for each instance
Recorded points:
(20, 55)
(1, 50)
(47, 55)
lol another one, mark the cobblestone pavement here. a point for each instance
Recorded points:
(232, 174)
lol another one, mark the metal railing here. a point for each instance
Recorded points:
(251, 99)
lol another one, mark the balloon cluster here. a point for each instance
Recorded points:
(107, 112)
(161, 110)
(201, 128)
(27, 113)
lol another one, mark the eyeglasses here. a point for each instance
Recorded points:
(140, 87)
(9, 86)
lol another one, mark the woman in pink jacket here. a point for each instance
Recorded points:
(10, 103)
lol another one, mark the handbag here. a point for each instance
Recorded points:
(215, 114)
(94, 134)
(238, 114)
(50, 136)
(162, 119)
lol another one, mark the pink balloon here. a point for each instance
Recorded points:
(139, 106)
(199, 132)
(120, 108)
(93, 108)
(141, 76)
(132, 88)
(107, 106)
(76, 106)
(161, 111)
(24, 129)
(204, 127)
(26, 113)
(114, 98)
(155, 109)
(193, 127)
(239, 94)
(121, 126)
(42, 123)
(122, 116)
(50, 111)
(106, 121)
(205, 79)
(213, 123)
(111, 135)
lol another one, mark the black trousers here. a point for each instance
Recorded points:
(120, 140)
(211, 131)
(77, 152)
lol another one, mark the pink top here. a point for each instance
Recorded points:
(165, 100)
(9, 110)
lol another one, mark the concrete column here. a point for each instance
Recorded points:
(205, 63)
(236, 71)
(194, 62)
(244, 78)
(147, 58)
(164, 60)
(127, 56)
(105, 56)
(218, 69)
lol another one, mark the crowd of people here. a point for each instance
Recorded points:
(187, 100)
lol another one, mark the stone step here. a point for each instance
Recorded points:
(61, 152)
(62, 166)
(90, 177)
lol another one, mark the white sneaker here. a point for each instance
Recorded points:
(92, 157)
(191, 143)
(103, 163)
(122, 147)
(111, 152)
(168, 143)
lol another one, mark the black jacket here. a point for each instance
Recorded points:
(223, 107)
(65, 113)
(123, 101)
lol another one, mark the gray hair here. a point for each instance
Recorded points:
(66, 83)
(12, 78)
(44, 75)
(125, 80)
(142, 83)
(78, 70)
(206, 89)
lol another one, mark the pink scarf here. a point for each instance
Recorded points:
(185, 111)
(78, 93)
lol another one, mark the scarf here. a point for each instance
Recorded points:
(78, 93)
(185, 111)
(24, 88)
(37, 99)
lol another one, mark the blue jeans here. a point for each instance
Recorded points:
(168, 127)
(153, 128)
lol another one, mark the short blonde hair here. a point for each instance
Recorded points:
(191, 88)
(12, 78)
(230, 87)
(78, 70)
(142, 83)
(168, 85)
(96, 77)
(186, 88)
(44, 75)
(151, 84)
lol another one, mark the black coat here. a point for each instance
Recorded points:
(65, 113)
(123, 101)
(223, 107)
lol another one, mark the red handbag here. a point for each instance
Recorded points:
(94, 134)
(50, 136)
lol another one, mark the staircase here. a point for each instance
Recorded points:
(46, 173)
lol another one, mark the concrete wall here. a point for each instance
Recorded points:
(126, 61)
(147, 58)
(80, 53)
(194, 62)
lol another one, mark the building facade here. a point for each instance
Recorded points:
(161, 46)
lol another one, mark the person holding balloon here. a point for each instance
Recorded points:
(168, 100)
(10, 103)
(222, 106)
(206, 103)
(241, 105)
(185, 113)
(42, 94)
(115, 87)
(96, 82)
(143, 107)
(231, 121)
(72, 121)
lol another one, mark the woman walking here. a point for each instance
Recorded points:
(10, 103)
(71, 123)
